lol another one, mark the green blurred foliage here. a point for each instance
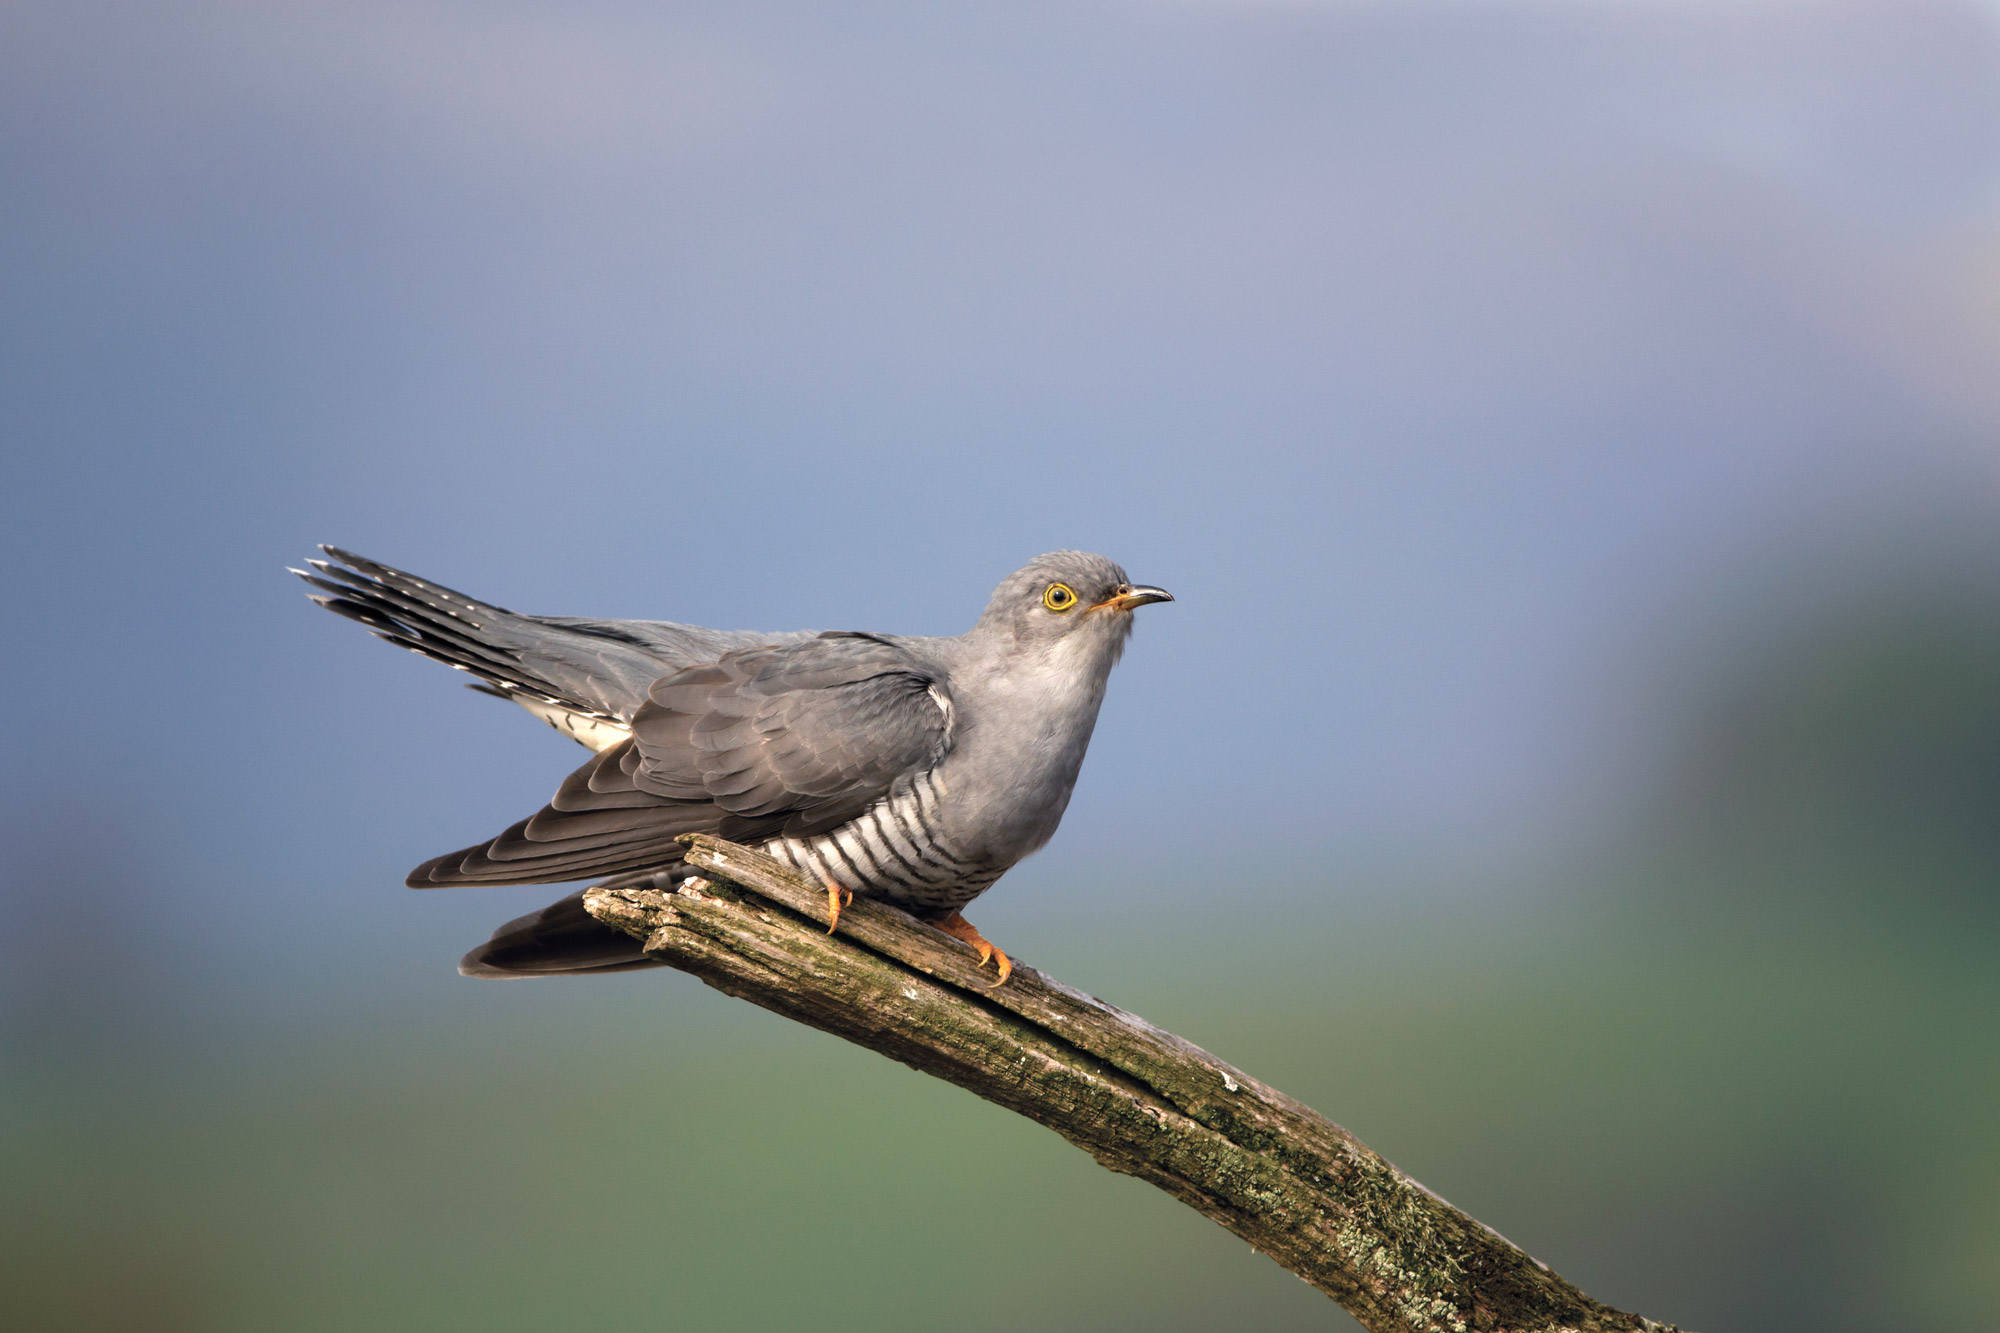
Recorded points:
(1757, 1130)
(1851, 750)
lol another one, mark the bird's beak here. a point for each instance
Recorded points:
(1132, 597)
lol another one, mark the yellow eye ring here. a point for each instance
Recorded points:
(1059, 597)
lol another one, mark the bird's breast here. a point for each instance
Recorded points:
(1013, 766)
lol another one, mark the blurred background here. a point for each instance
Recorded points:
(1572, 432)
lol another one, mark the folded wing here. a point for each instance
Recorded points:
(789, 739)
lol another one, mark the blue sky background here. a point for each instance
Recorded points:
(1449, 362)
(1476, 375)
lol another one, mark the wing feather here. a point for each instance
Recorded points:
(794, 739)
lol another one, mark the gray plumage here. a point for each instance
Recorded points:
(915, 770)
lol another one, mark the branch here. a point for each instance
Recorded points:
(1141, 1101)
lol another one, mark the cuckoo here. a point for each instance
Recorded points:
(912, 770)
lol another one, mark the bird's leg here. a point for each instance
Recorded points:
(836, 898)
(959, 928)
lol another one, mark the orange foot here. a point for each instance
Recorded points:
(836, 898)
(959, 928)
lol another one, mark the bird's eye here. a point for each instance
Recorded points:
(1059, 597)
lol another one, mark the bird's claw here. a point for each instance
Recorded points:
(836, 898)
(959, 928)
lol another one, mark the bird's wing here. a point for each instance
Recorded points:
(810, 734)
(794, 740)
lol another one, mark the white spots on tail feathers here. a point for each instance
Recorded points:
(592, 730)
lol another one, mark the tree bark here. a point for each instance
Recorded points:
(1140, 1100)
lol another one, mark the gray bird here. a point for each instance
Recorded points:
(912, 770)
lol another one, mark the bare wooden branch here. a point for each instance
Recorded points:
(1140, 1100)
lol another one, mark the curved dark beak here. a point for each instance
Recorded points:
(1138, 596)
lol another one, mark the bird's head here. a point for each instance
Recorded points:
(1068, 600)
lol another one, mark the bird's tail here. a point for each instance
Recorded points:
(516, 657)
(561, 940)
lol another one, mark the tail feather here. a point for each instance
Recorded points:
(570, 671)
(408, 595)
(406, 629)
(446, 626)
(422, 590)
(561, 940)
